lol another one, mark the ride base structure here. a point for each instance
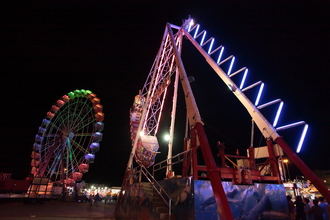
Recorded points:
(195, 186)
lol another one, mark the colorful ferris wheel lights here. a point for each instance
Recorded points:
(68, 137)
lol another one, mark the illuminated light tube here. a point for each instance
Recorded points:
(220, 55)
(216, 49)
(203, 38)
(278, 113)
(191, 23)
(269, 103)
(290, 125)
(251, 86)
(231, 65)
(197, 28)
(259, 94)
(302, 138)
(237, 72)
(211, 45)
(243, 79)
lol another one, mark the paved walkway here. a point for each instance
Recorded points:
(51, 210)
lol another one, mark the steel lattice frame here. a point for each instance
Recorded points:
(159, 77)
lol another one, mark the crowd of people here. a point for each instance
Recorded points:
(94, 199)
(304, 209)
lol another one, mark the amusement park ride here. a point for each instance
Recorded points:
(145, 116)
(66, 142)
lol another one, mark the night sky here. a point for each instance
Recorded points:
(49, 49)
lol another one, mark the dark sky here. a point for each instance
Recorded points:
(50, 48)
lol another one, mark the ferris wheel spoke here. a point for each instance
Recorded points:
(78, 146)
(79, 121)
(51, 135)
(84, 125)
(83, 107)
(71, 112)
(52, 125)
(74, 163)
(83, 134)
(74, 160)
(53, 166)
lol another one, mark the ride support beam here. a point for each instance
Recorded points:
(196, 124)
(273, 161)
(304, 169)
(213, 174)
(194, 156)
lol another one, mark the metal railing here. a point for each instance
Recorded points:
(158, 188)
(175, 160)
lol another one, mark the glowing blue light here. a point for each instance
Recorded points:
(191, 23)
(220, 55)
(301, 141)
(202, 41)
(197, 28)
(243, 79)
(231, 65)
(259, 94)
(211, 45)
(278, 113)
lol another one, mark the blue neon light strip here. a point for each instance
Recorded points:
(211, 45)
(278, 113)
(302, 138)
(220, 55)
(202, 41)
(190, 25)
(197, 28)
(259, 94)
(243, 79)
(231, 65)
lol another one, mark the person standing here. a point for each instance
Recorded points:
(307, 209)
(316, 211)
(290, 207)
(325, 208)
(91, 199)
(300, 209)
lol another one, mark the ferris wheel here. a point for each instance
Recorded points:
(68, 138)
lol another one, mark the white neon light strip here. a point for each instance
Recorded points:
(243, 79)
(231, 65)
(211, 45)
(195, 34)
(191, 23)
(269, 103)
(290, 125)
(220, 55)
(302, 138)
(278, 113)
(259, 94)
(203, 38)
(215, 50)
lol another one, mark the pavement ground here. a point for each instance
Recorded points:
(52, 210)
